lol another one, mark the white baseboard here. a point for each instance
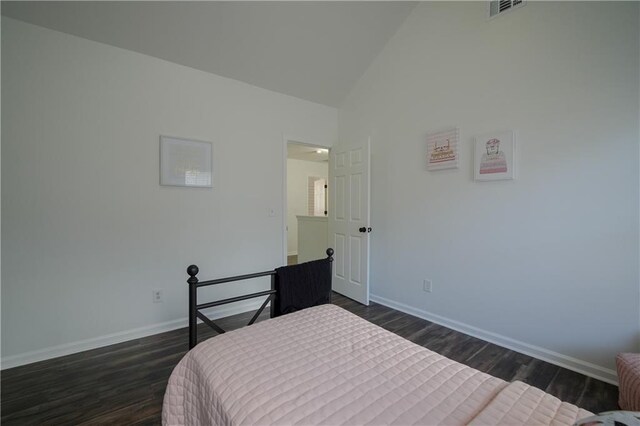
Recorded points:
(571, 363)
(123, 336)
(293, 253)
(583, 367)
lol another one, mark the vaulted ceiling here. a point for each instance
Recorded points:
(310, 50)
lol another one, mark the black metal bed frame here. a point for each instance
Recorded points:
(194, 307)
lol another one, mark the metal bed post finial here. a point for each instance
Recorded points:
(330, 254)
(193, 270)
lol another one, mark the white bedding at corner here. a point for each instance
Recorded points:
(324, 365)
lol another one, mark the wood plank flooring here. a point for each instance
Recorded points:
(125, 383)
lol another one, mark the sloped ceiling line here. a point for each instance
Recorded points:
(311, 50)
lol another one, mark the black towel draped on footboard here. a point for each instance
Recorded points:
(302, 286)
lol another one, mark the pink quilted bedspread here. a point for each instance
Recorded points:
(326, 366)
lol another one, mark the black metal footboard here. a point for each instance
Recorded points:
(194, 307)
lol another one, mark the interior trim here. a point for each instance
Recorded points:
(580, 366)
(122, 336)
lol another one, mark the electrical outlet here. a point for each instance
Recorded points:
(427, 286)
(157, 295)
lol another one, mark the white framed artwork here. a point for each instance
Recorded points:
(495, 156)
(442, 149)
(186, 162)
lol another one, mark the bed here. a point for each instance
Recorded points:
(326, 366)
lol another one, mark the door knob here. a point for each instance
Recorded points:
(363, 229)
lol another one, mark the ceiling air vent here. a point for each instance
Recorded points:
(497, 7)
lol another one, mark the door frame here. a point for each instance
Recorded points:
(300, 140)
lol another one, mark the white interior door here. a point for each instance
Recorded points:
(349, 227)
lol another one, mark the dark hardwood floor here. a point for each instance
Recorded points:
(125, 383)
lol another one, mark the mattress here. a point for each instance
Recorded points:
(324, 365)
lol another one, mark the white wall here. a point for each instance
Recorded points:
(547, 263)
(88, 231)
(298, 173)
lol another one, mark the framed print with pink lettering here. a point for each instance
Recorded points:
(495, 156)
(442, 149)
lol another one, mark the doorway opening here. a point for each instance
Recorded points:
(307, 202)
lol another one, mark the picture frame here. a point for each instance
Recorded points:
(186, 162)
(495, 156)
(442, 149)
